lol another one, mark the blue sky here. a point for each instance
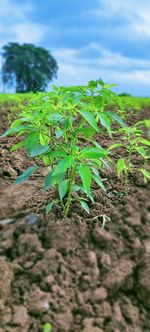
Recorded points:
(90, 39)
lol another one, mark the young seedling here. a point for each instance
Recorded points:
(133, 143)
(59, 128)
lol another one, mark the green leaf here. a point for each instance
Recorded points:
(105, 122)
(89, 118)
(49, 208)
(59, 153)
(92, 84)
(121, 166)
(46, 160)
(147, 123)
(85, 206)
(47, 327)
(48, 181)
(141, 151)
(114, 146)
(85, 174)
(11, 131)
(97, 179)
(87, 132)
(38, 150)
(145, 173)
(93, 152)
(91, 196)
(116, 117)
(144, 141)
(51, 180)
(63, 187)
(63, 165)
(44, 139)
(31, 141)
(26, 174)
(17, 146)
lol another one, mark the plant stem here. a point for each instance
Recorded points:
(71, 182)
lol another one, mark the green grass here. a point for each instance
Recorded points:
(136, 102)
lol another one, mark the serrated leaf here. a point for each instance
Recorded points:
(59, 153)
(116, 117)
(85, 174)
(63, 187)
(89, 118)
(97, 179)
(26, 174)
(105, 122)
(87, 132)
(141, 151)
(85, 206)
(38, 150)
(31, 141)
(121, 166)
(11, 131)
(63, 165)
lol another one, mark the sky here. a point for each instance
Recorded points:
(90, 39)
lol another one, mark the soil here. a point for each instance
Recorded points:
(72, 272)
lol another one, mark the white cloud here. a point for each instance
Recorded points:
(20, 28)
(132, 14)
(13, 11)
(75, 67)
(28, 32)
(101, 57)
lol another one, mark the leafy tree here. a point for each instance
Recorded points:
(29, 67)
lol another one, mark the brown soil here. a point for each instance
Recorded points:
(71, 271)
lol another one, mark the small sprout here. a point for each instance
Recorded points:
(47, 327)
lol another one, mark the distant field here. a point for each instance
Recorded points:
(21, 96)
(134, 102)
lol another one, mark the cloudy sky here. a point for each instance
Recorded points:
(90, 39)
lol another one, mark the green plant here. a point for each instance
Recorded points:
(133, 143)
(59, 129)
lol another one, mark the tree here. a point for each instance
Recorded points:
(29, 67)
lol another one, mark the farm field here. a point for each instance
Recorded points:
(88, 270)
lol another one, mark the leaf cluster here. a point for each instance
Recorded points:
(59, 128)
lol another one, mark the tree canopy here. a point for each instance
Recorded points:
(28, 67)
